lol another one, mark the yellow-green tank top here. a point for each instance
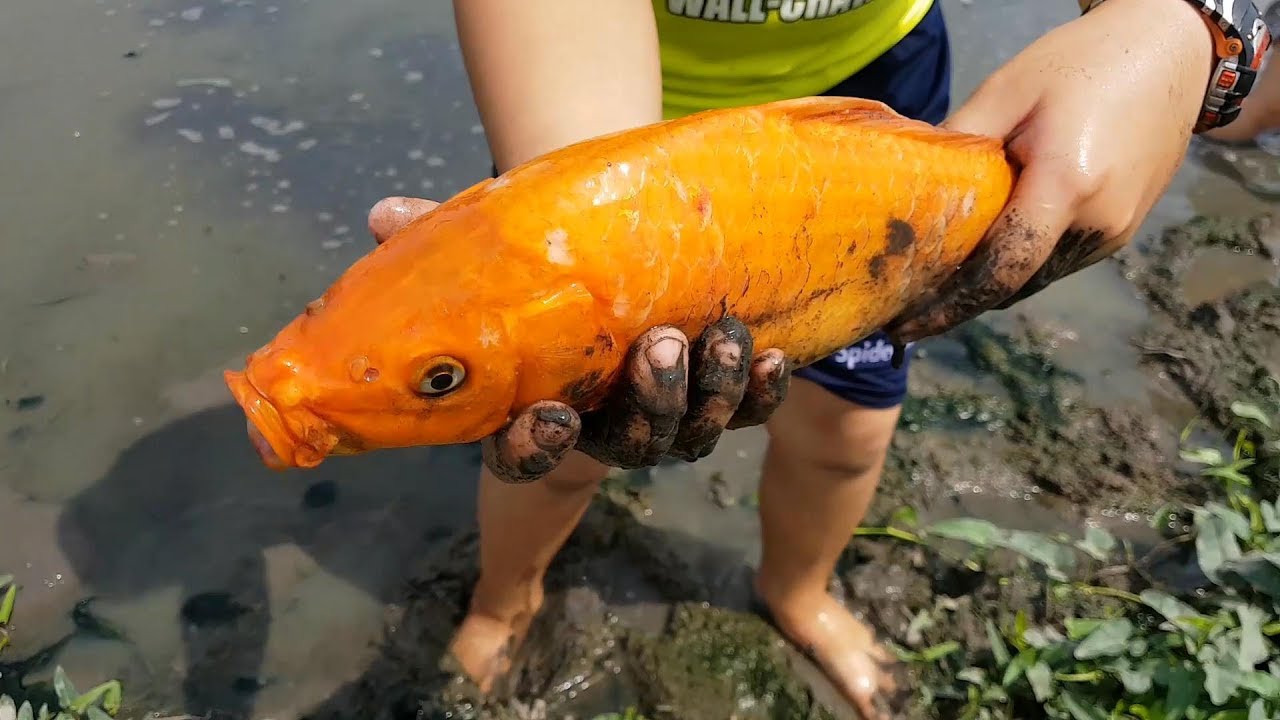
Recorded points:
(721, 53)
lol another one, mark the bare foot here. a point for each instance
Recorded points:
(845, 649)
(484, 643)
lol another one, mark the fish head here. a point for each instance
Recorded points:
(334, 383)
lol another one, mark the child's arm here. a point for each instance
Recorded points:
(548, 74)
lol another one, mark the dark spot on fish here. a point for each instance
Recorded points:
(30, 402)
(605, 341)
(581, 388)
(877, 267)
(320, 494)
(211, 608)
(901, 237)
(853, 246)
(589, 350)
(724, 306)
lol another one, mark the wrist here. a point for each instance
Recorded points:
(1231, 33)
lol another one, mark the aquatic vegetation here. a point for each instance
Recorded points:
(1151, 651)
(99, 703)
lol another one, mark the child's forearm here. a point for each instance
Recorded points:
(548, 74)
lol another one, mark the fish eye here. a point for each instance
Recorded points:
(443, 376)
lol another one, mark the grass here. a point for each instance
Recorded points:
(1150, 653)
(99, 703)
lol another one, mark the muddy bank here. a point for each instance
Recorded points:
(1217, 337)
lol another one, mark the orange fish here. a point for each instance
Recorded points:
(813, 221)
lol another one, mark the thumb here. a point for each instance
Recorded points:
(995, 109)
(1019, 242)
(391, 214)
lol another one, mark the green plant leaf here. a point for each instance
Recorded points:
(1109, 638)
(1138, 679)
(8, 711)
(1079, 628)
(1221, 679)
(1266, 684)
(1080, 708)
(1097, 543)
(1056, 558)
(1184, 690)
(1172, 609)
(1258, 710)
(6, 604)
(1202, 456)
(1236, 522)
(25, 712)
(999, 651)
(1270, 516)
(63, 688)
(970, 530)
(1018, 666)
(905, 517)
(1041, 680)
(940, 650)
(1259, 570)
(1253, 646)
(1215, 542)
(972, 675)
(1249, 411)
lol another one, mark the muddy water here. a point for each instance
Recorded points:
(179, 178)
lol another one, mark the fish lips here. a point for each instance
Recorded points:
(278, 446)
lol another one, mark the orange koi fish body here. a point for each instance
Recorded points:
(813, 221)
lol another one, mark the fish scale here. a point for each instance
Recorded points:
(813, 221)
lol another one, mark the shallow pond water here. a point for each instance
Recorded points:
(180, 176)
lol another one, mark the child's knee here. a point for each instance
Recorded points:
(816, 427)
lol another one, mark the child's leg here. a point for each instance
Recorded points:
(521, 529)
(823, 465)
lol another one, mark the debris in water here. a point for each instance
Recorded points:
(166, 103)
(30, 402)
(375, 52)
(226, 132)
(416, 154)
(307, 144)
(356, 97)
(276, 127)
(156, 119)
(435, 161)
(194, 136)
(266, 153)
(192, 14)
(413, 76)
(212, 82)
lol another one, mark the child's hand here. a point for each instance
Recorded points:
(1098, 113)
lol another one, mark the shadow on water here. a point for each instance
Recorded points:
(191, 508)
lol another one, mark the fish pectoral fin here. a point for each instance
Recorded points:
(561, 339)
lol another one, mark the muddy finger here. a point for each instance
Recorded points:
(390, 214)
(1077, 250)
(533, 444)
(767, 385)
(719, 364)
(639, 425)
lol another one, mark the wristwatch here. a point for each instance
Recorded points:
(1240, 39)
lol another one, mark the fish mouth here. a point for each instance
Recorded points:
(276, 444)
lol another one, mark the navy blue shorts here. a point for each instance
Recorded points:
(913, 78)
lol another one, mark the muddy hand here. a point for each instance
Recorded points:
(1097, 139)
(675, 401)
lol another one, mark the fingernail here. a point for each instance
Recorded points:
(665, 353)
